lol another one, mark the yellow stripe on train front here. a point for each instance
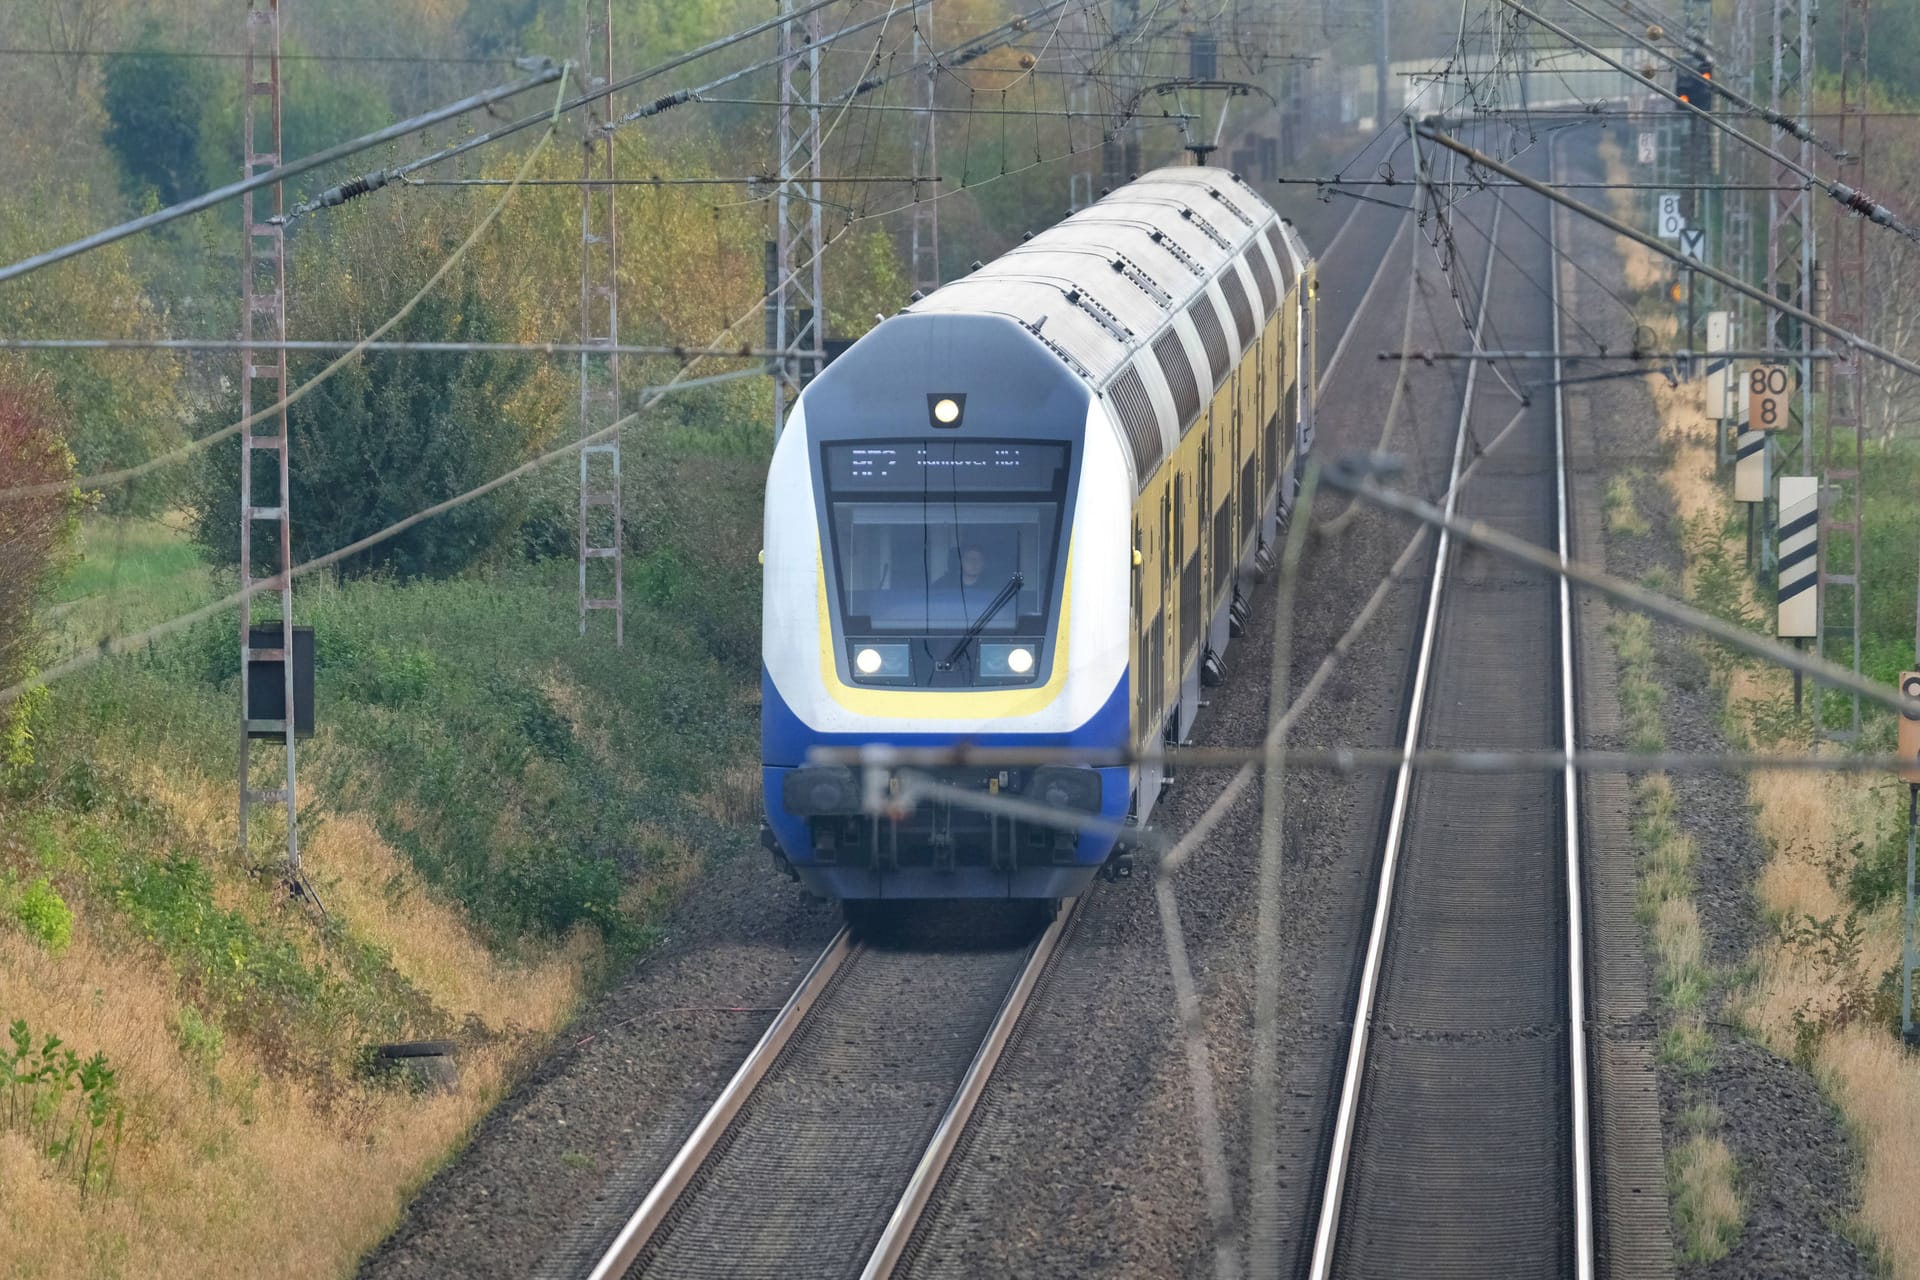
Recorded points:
(944, 704)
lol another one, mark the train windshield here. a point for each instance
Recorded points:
(936, 537)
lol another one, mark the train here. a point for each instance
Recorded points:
(1028, 511)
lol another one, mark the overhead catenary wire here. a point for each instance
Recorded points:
(1848, 197)
(378, 178)
(116, 645)
(1627, 593)
(1851, 340)
(269, 177)
(123, 475)
(1786, 123)
(192, 447)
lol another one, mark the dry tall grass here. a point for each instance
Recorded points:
(1810, 967)
(227, 1170)
(223, 1173)
(1705, 1204)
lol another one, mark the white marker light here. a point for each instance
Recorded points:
(868, 660)
(1020, 661)
(946, 411)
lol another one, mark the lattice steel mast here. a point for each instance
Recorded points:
(1790, 231)
(799, 325)
(263, 319)
(925, 166)
(1843, 499)
(602, 533)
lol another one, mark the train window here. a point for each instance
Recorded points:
(927, 536)
(1278, 243)
(1134, 408)
(1236, 295)
(1178, 371)
(1262, 279)
(1206, 321)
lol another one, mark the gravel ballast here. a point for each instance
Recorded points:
(1086, 1160)
(1794, 1168)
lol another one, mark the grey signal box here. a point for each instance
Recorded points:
(266, 682)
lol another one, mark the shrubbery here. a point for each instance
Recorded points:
(70, 1108)
(31, 532)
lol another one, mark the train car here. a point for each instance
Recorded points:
(1027, 512)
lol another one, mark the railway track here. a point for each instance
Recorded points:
(1460, 1142)
(824, 1149)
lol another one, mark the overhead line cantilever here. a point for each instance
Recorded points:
(1640, 237)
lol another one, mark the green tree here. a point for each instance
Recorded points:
(392, 433)
(116, 408)
(32, 531)
(154, 106)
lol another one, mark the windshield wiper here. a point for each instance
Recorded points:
(998, 603)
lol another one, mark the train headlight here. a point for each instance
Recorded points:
(882, 661)
(814, 791)
(946, 410)
(1061, 787)
(1006, 661)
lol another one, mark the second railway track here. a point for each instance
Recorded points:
(822, 1151)
(1460, 1142)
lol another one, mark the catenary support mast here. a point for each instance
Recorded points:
(265, 503)
(1843, 496)
(602, 532)
(926, 165)
(799, 324)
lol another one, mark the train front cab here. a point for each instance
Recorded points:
(966, 585)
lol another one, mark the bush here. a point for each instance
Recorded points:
(393, 432)
(154, 107)
(44, 914)
(79, 1137)
(32, 531)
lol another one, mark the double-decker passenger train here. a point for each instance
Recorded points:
(1027, 512)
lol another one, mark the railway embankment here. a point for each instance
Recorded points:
(495, 820)
(1758, 964)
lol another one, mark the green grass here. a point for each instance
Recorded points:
(126, 553)
(543, 781)
(1623, 517)
(1707, 1212)
(126, 574)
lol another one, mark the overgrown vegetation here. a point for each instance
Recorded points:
(1706, 1205)
(68, 1107)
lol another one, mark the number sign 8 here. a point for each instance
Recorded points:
(1767, 396)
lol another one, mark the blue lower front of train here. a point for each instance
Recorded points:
(817, 824)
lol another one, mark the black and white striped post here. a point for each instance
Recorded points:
(1798, 539)
(1719, 407)
(1910, 748)
(1752, 460)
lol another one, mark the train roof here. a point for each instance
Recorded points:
(1151, 294)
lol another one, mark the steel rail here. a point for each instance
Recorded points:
(1326, 1231)
(892, 1248)
(1570, 794)
(660, 1201)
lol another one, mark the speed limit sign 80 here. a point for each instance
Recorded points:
(1767, 399)
(1910, 729)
